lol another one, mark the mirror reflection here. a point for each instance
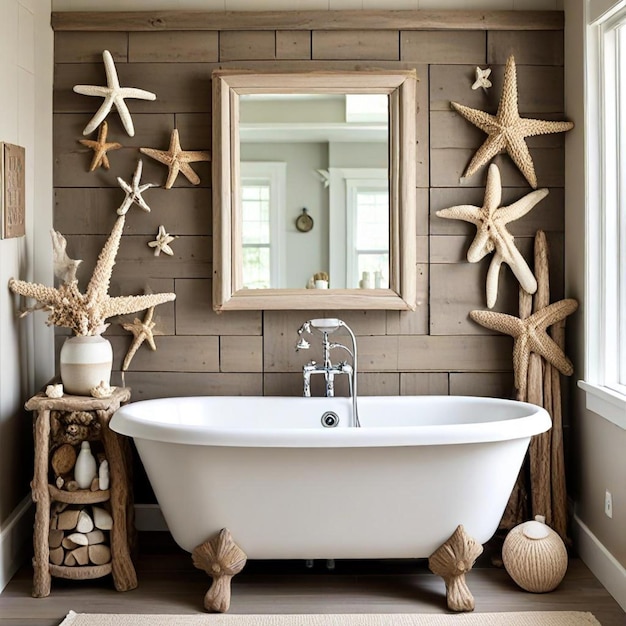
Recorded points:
(314, 190)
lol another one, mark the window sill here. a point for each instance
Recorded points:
(607, 403)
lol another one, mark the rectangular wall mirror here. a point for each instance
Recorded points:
(314, 190)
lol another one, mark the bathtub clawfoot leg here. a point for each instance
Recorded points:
(452, 561)
(221, 558)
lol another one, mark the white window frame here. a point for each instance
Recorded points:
(605, 295)
(276, 173)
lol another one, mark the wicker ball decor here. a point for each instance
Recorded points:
(535, 556)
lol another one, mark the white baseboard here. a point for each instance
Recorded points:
(604, 566)
(15, 540)
(149, 517)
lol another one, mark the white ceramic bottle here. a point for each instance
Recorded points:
(103, 475)
(85, 468)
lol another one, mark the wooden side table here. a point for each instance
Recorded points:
(50, 414)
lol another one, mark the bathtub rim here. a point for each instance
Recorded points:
(534, 421)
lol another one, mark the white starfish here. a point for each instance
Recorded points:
(161, 243)
(482, 79)
(134, 191)
(113, 95)
(491, 233)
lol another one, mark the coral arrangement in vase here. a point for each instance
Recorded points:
(86, 358)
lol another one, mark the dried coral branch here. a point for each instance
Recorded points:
(85, 314)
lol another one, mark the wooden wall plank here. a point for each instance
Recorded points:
(240, 45)
(179, 87)
(195, 315)
(422, 219)
(455, 353)
(282, 384)
(493, 385)
(148, 385)
(173, 354)
(155, 21)
(173, 47)
(448, 166)
(423, 384)
(92, 211)
(87, 47)
(540, 88)
(458, 288)
(241, 353)
(293, 44)
(356, 44)
(443, 47)
(528, 47)
(422, 130)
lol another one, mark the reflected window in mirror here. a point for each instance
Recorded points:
(263, 186)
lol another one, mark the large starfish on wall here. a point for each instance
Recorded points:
(133, 191)
(100, 148)
(113, 95)
(178, 160)
(529, 335)
(507, 130)
(491, 233)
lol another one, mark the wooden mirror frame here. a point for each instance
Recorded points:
(228, 293)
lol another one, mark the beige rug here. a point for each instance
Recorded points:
(531, 618)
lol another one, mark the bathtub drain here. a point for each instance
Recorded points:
(330, 419)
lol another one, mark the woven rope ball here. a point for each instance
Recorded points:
(535, 556)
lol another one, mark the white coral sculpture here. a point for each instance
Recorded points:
(85, 314)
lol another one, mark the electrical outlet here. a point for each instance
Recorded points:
(608, 504)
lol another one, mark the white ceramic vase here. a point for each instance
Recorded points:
(85, 362)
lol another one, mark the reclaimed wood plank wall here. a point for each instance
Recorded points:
(435, 350)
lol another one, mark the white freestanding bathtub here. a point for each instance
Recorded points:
(287, 487)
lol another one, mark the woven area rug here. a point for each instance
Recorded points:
(531, 618)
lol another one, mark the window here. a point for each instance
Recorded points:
(605, 297)
(263, 186)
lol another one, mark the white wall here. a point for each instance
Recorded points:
(26, 348)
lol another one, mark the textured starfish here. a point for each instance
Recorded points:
(482, 79)
(507, 130)
(491, 233)
(142, 331)
(134, 191)
(530, 335)
(178, 160)
(113, 95)
(100, 148)
(86, 313)
(161, 243)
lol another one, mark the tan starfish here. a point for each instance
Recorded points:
(491, 233)
(507, 130)
(530, 335)
(100, 148)
(178, 160)
(142, 331)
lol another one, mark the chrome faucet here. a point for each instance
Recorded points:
(326, 326)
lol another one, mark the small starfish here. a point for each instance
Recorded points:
(482, 79)
(113, 95)
(142, 331)
(177, 160)
(134, 191)
(491, 233)
(507, 130)
(100, 148)
(161, 243)
(529, 336)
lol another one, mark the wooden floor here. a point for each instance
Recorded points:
(168, 583)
